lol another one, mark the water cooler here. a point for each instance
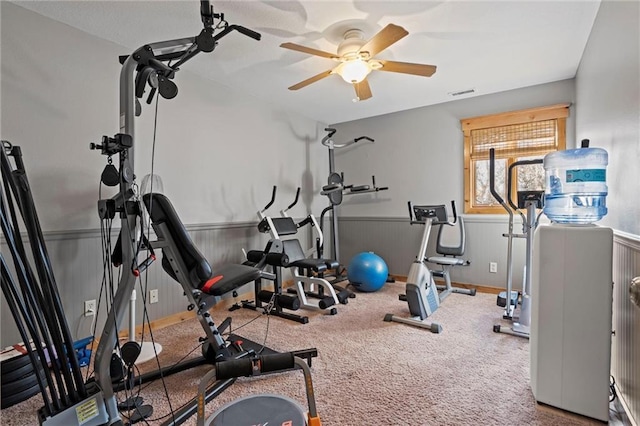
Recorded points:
(572, 292)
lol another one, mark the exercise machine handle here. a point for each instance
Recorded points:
(326, 141)
(137, 270)
(273, 199)
(411, 218)
(455, 214)
(492, 178)
(294, 201)
(245, 367)
(510, 178)
(367, 138)
(246, 31)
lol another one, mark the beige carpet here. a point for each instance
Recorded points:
(370, 372)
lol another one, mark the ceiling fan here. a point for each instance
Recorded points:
(356, 57)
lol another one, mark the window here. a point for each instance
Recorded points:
(517, 135)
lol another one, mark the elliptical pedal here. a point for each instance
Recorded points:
(502, 299)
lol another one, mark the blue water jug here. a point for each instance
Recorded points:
(576, 185)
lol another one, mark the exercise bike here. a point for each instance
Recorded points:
(422, 293)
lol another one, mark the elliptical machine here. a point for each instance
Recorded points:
(421, 290)
(530, 201)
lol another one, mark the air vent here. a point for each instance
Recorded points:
(462, 92)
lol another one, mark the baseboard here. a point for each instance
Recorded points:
(179, 317)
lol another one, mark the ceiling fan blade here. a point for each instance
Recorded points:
(363, 90)
(308, 50)
(311, 80)
(385, 38)
(408, 68)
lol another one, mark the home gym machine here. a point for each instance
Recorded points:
(274, 302)
(317, 250)
(335, 190)
(285, 226)
(529, 201)
(421, 292)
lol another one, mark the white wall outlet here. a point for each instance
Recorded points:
(493, 267)
(89, 308)
(153, 296)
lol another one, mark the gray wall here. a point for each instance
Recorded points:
(419, 155)
(608, 113)
(608, 106)
(218, 153)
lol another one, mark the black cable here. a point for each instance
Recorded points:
(145, 312)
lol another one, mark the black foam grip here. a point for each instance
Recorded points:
(245, 366)
(255, 256)
(276, 362)
(246, 31)
(287, 301)
(326, 302)
(234, 368)
(264, 296)
(277, 259)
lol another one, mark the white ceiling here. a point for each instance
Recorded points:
(487, 46)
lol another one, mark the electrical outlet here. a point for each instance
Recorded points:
(153, 296)
(493, 267)
(89, 308)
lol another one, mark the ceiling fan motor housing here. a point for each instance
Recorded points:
(353, 41)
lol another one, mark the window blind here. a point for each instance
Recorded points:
(515, 140)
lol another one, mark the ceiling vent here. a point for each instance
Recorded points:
(462, 92)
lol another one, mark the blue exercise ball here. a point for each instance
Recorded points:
(367, 272)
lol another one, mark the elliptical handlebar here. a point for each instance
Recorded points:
(492, 179)
(508, 205)
(510, 179)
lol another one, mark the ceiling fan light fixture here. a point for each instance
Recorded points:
(354, 71)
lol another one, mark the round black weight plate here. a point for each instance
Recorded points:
(11, 364)
(10, 376)
(9, 400)
(20, 384)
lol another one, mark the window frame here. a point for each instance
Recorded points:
(558, 112)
